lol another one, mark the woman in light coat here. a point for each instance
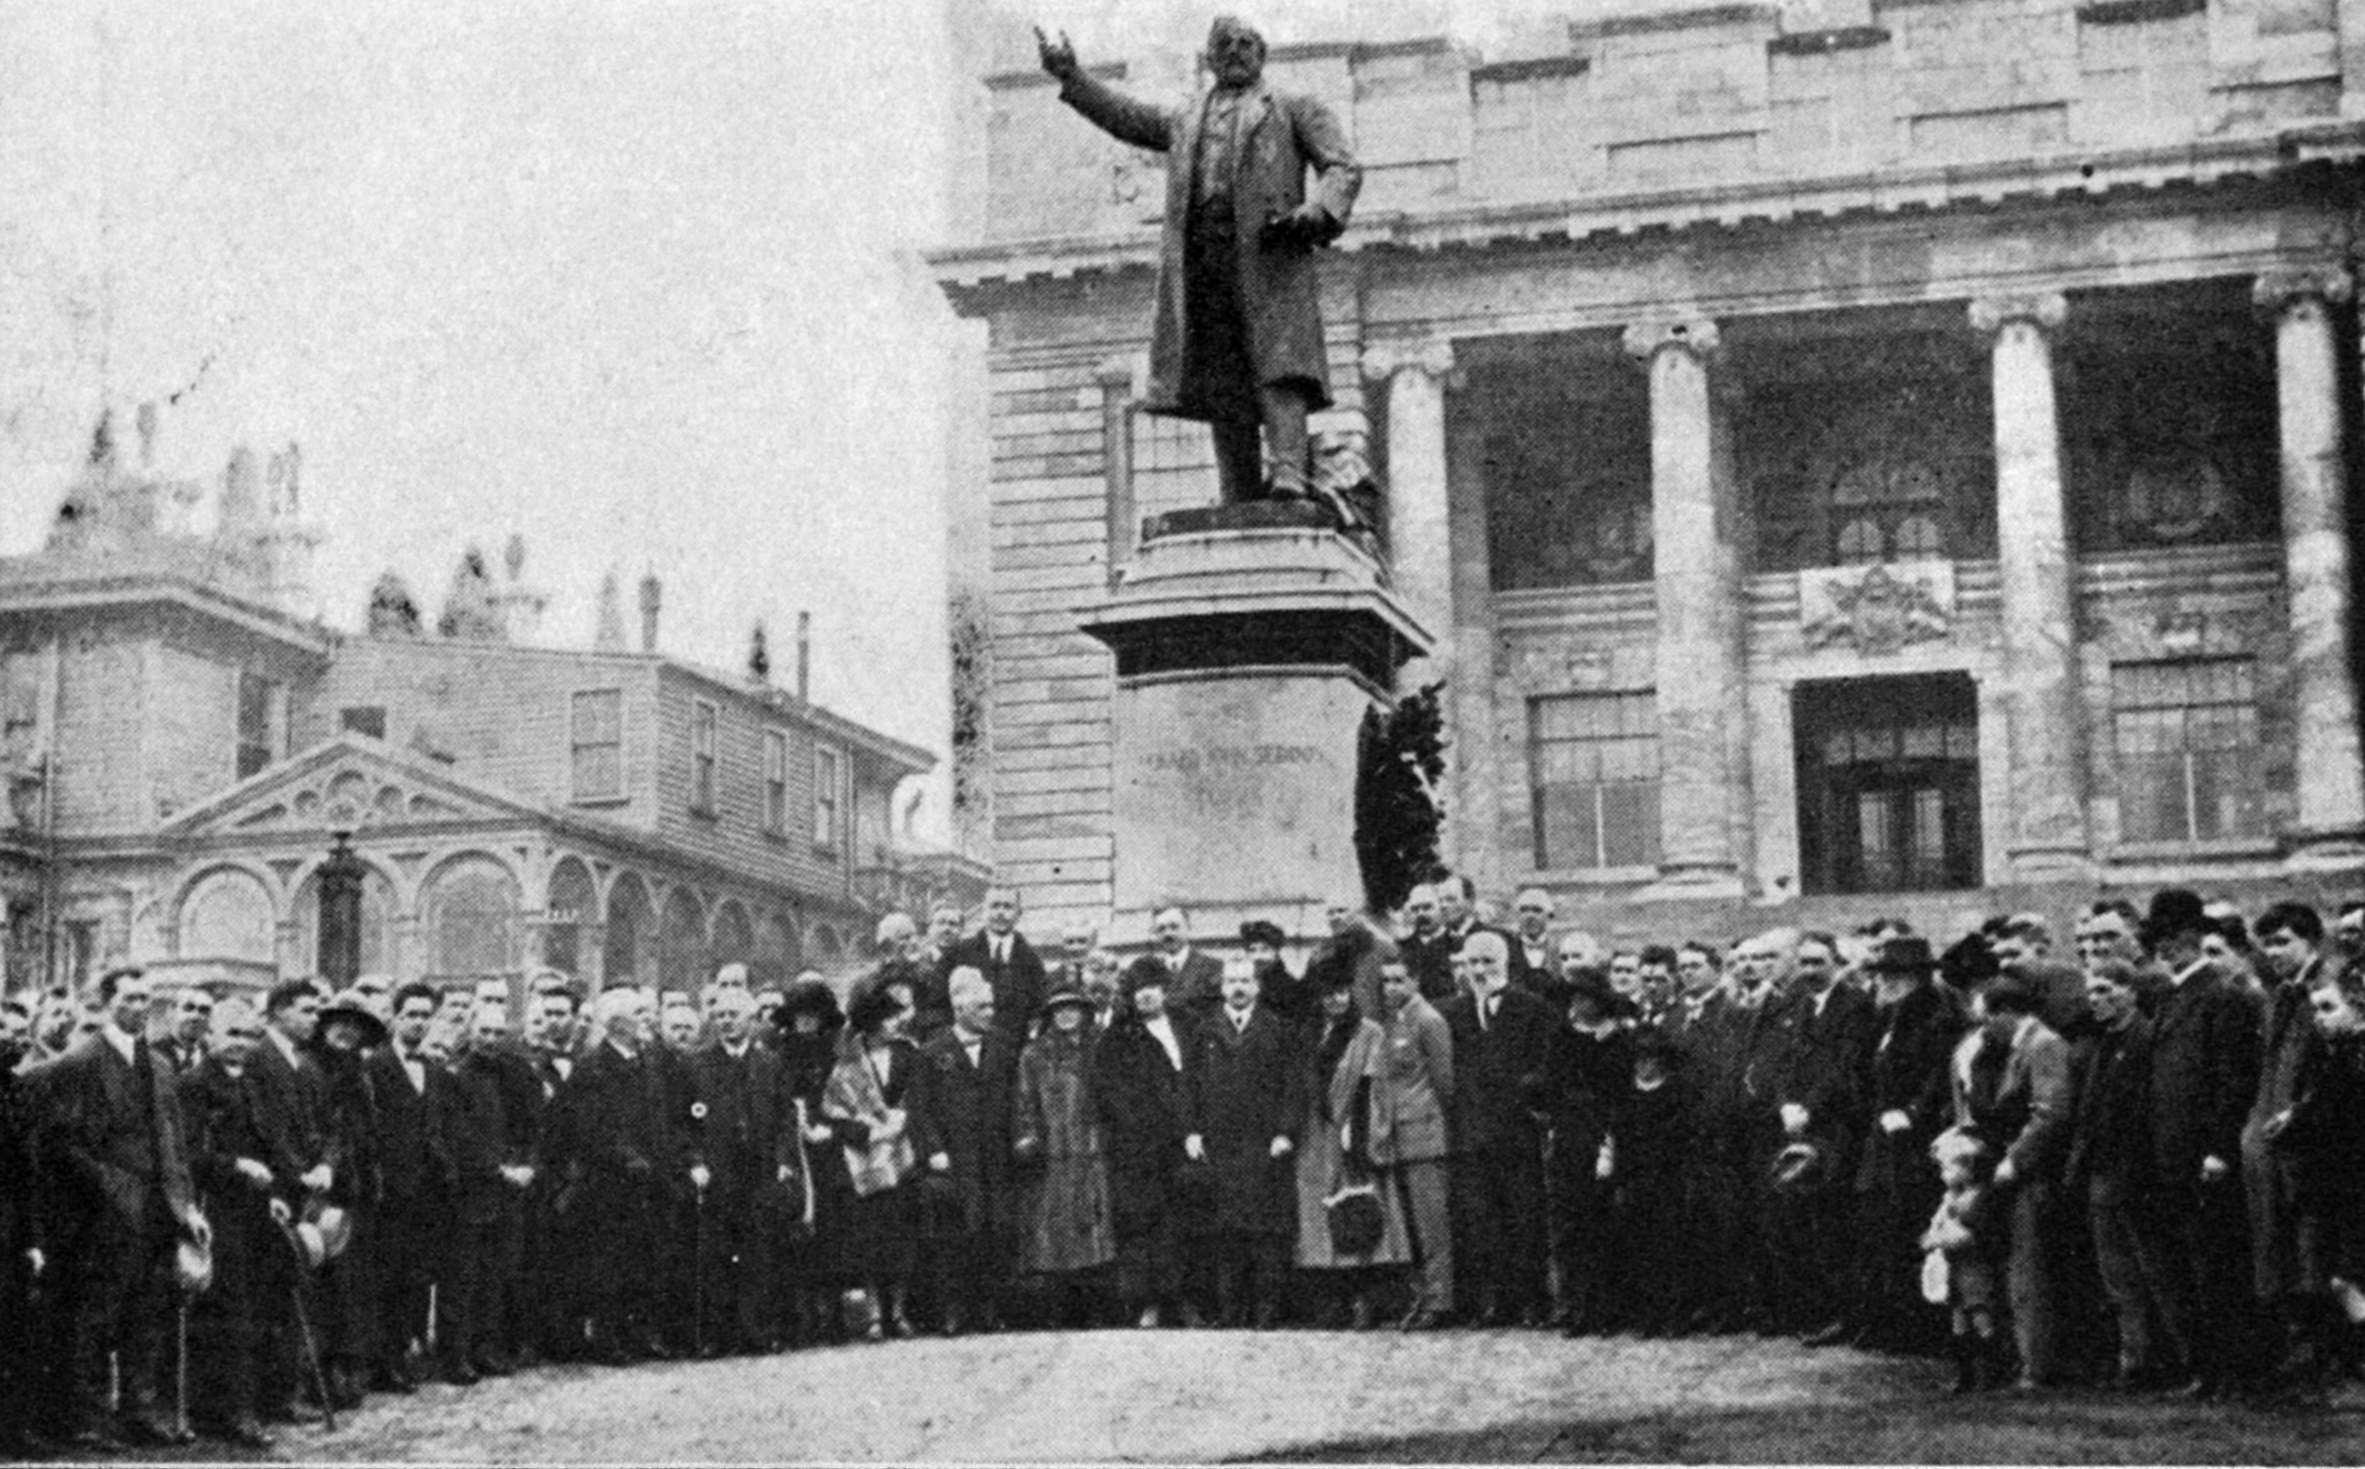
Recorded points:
(1335, 1152)
(1412, 1088)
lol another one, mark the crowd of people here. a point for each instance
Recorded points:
(2142, 1167)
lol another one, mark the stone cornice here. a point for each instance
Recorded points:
(1924, 187)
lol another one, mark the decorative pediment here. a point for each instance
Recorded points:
(352, 783)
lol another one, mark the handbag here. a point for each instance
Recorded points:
(1353, 1213)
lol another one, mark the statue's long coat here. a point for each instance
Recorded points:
(1282, 135)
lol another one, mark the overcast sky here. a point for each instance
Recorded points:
(635, 279)
(623, 277)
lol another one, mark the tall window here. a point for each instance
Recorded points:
(826, 778)
(256, 696)
(702, 730)
(596, 733)
(1593, 763)
(776, 781)
(1173, 466)
(2186, 733)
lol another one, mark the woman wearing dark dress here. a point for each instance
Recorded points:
(811, 1275)
(878, 1149)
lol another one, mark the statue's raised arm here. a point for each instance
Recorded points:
(1237, 341)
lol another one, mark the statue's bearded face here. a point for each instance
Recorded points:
(1235, 52)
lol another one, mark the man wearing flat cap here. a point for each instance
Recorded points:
(2204, 1072)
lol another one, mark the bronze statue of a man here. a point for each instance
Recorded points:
(1237, 343)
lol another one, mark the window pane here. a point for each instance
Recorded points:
(1594, 779)
(1630, 824)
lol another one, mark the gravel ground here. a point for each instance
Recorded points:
(1168, 1396)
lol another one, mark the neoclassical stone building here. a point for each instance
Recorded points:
(1862, 455)
(182, 753)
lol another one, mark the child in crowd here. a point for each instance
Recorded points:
(1964, 1269)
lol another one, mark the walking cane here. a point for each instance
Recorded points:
(328, 1404)
(180, 1373)
(698, 1269)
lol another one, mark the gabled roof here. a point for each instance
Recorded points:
(350, 783)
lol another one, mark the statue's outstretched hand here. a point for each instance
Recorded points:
(1058, 57)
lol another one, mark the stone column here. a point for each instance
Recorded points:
(1701, 676)
(1420, 542)
(2316, 561)
(2048, 834)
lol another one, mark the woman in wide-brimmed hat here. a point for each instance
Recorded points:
(1066, 1236)
(1343, 1052)
(812, 1271)
(862, 1105)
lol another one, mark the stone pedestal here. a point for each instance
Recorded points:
(1250, 640)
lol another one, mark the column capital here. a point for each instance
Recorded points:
(2279, 290)
(1121, 371)
(2045, 310)
(1431, 355)
(1698, 335)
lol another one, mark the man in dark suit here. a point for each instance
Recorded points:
(621, 1154)
(550, 1314)
(113, 1128)
(231, 1149)
(1535, 956)
(2109, 1176)
(182, 1045)
(418, 1181)
(1499, 1040)
(1248, 1090)
(2291, 941)
(1427, 948)
(2204, 1074)
(1826, 1052)
(295, 1101)
(1194, 980)
(961, 1093)
(745, 1142)
(469, 1118)
(1916, 1023)
(1009, 963)
(1702, 1024)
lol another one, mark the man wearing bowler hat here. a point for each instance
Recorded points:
(2204, 1073)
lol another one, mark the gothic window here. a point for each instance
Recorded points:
(2170, 430)
(1868, 452)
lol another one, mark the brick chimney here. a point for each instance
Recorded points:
(652, 598)
(804, 656)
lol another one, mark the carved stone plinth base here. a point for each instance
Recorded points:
(1247, 655)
